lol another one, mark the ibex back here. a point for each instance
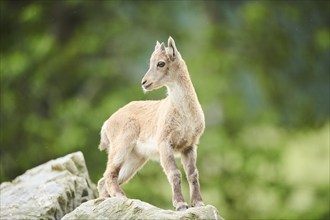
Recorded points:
(161, 129)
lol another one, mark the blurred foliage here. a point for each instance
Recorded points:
(260, 68)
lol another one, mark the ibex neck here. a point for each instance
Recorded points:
(182, 92)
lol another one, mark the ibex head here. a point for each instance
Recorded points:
(164, 62)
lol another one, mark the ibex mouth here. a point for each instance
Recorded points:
(147, 86)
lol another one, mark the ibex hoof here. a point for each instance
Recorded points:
(119, 195)
(182, 207)
(197, 204)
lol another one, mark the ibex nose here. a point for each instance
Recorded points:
(144, 81)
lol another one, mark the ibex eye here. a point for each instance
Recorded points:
(161, 64)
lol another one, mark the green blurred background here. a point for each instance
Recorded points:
(260, 68)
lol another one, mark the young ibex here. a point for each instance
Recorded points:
(163, 129)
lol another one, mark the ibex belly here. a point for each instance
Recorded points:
(147, 148)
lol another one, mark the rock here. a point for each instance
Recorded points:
(48, 191)
(62, 186)
(122, 208)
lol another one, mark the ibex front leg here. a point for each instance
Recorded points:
(188, 159)
(173, 174)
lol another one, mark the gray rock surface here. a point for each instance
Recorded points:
(125, 209)
(48, 191)
(62, 186)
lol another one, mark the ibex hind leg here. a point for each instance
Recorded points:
(103, 192)
(118, 155)
(132, 164)
(116, 161)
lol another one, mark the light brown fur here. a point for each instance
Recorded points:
(163, 129)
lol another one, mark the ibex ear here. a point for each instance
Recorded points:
(172, 51)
